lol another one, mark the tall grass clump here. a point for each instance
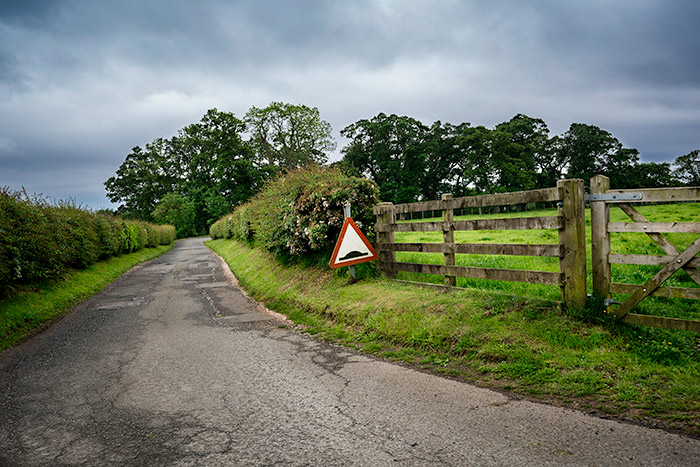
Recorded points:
(300, 213)
(40, 240)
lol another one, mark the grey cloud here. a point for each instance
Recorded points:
(12, 79)
(28, 13)
(645, 42)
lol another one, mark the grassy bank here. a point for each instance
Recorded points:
(520, 344)
(28, 311)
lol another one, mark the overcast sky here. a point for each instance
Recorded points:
(82, 82)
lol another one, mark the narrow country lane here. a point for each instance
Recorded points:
(172, 365)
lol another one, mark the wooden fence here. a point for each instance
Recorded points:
(570, 222)
(602, 197)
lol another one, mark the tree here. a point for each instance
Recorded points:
(620, 167)
(218, 167)
(443, 161)
(208, 163)
(473, 172)
(586, 148)
(528, 149)
(289, 136)
(551, 163)
(493, 161)
(688, 168)
(512, 169)
(390, 150)
(649, 175)
(179, 211)
(143, 179)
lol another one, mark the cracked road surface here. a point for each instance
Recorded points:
(173, 365)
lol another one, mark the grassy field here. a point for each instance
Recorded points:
(28, 311)
(512, 337)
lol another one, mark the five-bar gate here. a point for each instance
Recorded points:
(601, 198)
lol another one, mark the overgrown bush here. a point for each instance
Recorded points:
(301, 212)
(40, 240)
(75, 234)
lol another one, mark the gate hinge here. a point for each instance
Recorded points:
(632, 196)
(609, 301)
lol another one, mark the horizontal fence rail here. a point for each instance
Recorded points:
(522, 223)
(570, 223)
(500, 199)
(674, 260)
(650, 260)
(654, 227)
(515, 275)
(505, 249)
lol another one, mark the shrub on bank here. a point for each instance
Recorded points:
(40, 240)
(301, 212)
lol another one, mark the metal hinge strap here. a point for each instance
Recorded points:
(632, 196)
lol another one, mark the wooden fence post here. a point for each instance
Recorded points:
(572, 237)
(600, 238)
(448, 236)
(387, 258)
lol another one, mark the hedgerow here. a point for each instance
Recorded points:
(41, 240)
(300, 213)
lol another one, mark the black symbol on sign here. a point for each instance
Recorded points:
(353, 254)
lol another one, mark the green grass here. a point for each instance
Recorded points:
(524, 344)
(28, 311)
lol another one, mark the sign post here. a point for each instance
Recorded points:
(346, 211)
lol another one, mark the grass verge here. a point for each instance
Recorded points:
(28, 311)
(523, 345)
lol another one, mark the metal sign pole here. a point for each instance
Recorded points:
(346, 210)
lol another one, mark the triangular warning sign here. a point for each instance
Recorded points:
(352, 247)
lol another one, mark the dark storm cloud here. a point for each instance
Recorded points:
(29, 13)
(647, 42)
(11, 79)
(82, 82)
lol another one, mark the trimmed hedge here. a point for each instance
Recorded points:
(300, 213)
(40, 241)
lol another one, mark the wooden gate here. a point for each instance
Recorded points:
(601, 198)
(570, 223)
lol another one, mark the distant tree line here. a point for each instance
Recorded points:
(209, 167)
(411, 161)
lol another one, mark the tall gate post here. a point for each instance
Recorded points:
(600, 238)
(386, 257)
(572, 238)
(448, 237)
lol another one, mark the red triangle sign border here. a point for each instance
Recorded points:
(333, 264)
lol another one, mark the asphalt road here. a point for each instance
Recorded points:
(173, 365)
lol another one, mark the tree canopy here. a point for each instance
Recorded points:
(209, 167)
(289, 136)
(688, 168)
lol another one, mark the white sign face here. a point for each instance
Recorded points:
(352, 247)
